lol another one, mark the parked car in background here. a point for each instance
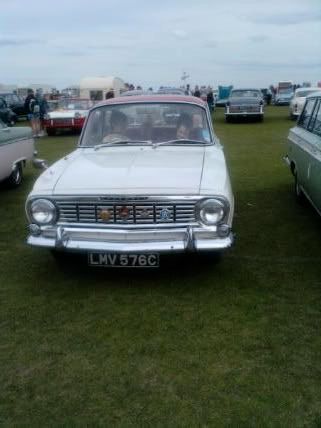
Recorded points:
(16, 148)
(15, 103)
(304, 152)
(298, 100)
(168, 90)
(137, 186)
(283, 97)
(135, 92)
(70, 115)
(267, 95)
(245, 103)
(6, 114)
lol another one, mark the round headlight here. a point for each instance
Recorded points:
(211, 211)
(78, 115)
(43, 211)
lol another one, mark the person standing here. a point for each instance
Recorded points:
(210, 99)
(197, 92)
(110, 94)
(44, 107)
(33, 109)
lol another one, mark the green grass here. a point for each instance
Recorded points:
(236, 344)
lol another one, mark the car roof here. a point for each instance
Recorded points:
(154, 99)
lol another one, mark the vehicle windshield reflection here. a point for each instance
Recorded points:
(147, 123)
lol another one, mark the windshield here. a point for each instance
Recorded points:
(305, 92)
(70, 104)
(286, 91)
(246, 93)
(147, 123)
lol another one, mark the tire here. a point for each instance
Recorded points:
(51, 132)
(15, 178)
(209, 257)
(260, 118)
(228, 119)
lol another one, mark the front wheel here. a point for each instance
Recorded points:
(15, 178)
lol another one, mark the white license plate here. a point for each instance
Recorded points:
(123, 260)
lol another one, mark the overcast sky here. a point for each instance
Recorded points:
(151, 42)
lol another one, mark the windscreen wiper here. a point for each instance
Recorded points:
(184, 141)
(122, 142)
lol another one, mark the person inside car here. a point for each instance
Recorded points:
(118, 128)
(184, 127)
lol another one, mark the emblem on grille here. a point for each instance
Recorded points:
(165, 214)
(104, 215)
(144, 213)
(124, 213)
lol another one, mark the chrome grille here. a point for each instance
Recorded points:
(245, 108)
(122, 213)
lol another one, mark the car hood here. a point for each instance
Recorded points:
(244, 101)
(127, 169)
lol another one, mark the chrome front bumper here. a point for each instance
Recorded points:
(164, 240)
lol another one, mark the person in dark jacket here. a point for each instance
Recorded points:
(33, 109)
(210, 99)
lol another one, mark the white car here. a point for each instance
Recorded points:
(148, 177)
(16, 148)
(298, 101)
(70, 114)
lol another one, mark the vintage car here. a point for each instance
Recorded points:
(70, 115)
(283, 97)
(6, 114)
(245, 103)
(304, 152)
(16, 148)
(298, 100)
(15, 103)
(137, 185)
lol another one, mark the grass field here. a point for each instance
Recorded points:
(235, 344)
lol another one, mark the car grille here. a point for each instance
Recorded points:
(132, 213)
(236, 109)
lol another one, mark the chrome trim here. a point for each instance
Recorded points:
(125, 241)
(180, 218)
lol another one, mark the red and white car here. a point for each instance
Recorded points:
(70, 115)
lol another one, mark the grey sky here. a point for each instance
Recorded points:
(149, 42)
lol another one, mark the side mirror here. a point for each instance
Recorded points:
(40, 164)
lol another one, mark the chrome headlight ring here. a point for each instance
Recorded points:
(211, 211)
(42, 211)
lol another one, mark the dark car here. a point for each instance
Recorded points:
(267, 95)
(245, 103)
(16, 103)
(6, 114)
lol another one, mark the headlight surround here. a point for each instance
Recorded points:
(42, 211)
(78, 115)
(211, 211)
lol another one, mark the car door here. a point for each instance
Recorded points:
(300, 145)
(315, 164)
(5, 166)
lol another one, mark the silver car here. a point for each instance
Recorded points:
(304, 152)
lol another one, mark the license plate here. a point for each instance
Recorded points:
(123, 260)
